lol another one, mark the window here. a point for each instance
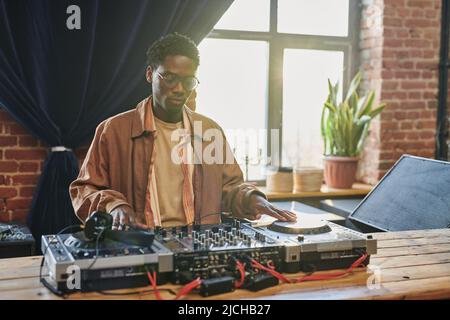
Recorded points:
(264, 71)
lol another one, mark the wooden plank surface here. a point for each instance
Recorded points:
(410, 265)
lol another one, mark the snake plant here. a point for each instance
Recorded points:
(345, 124)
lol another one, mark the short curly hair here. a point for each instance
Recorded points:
(171, 45)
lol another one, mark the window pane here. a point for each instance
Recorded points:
(319, 17)
(233, 92)
(305, 89)
(249, 15)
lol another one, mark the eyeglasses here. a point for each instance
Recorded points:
(171, 80)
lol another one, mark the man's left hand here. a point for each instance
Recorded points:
(259, 206)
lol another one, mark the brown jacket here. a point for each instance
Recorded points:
(115, 171)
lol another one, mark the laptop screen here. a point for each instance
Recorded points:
(413, 195)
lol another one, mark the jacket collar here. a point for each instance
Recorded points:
(143, 125)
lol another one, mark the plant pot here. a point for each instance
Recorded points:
(340, 172)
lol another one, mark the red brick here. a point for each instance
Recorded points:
(413, 85)
(417, 23)
(8, 166)
(29, 166)
(427, 135)
(406, 125)
(427, 114)
(393, 95)
(8, 141)
(13, 204)
(8, 192)
(420, 3)
(400, 115)
(414, 95)
(386, 155)
(27, 192)
(406, 65)
(390, 85)
(28, 141)
(25, 179)
(17, 129)
(412, 135)
(393, 43)
(392, 22)
(426, 65)
(4, 216)
(426, 124)
(412, 114)
(19, 215)
(432, 104)
(389, 125)
(20, 154)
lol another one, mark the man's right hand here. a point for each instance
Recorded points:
(122, 216)
(125, 216)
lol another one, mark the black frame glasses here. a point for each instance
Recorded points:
(171, 80)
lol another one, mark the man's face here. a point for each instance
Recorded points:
(171, 98)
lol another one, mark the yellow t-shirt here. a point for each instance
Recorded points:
(169, 176)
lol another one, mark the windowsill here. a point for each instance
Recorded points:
(358, 189)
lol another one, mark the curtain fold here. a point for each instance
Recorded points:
(60, 83)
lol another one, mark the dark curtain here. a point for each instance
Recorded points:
(60, 83)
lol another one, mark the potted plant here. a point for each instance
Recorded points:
(344, 128)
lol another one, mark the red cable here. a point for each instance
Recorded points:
(276, 274)
(188, 288)
(154, 285)
(354, 265)
(241, 269)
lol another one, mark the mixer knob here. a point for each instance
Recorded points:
(194, 234)
(79, 253)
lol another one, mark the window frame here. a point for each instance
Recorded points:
(278, 41)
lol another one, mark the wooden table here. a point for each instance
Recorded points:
(358, 190)
(412, 265)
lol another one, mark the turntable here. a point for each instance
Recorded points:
(102, 265)
(314, 244)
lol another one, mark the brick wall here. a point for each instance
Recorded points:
(400, 56)
(21, 160)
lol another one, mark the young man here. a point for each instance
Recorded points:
(136, 171)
